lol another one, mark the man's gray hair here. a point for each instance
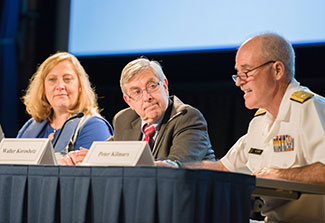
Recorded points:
(275, 47)
(136, 66)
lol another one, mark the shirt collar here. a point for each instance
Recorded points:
(156, 123)
(293, 86)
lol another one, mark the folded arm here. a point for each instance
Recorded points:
(211, 165)
(313, 173)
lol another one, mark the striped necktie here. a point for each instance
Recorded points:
(149, 132)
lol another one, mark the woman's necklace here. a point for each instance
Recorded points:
(51, 135)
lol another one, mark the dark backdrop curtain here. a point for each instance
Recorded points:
(8, 68)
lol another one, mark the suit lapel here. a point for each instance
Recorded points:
(162, 129)
(134, 133)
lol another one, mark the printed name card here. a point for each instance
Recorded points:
(26, 151)
(119, 153)
(1, 134)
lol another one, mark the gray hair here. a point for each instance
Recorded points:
(136, 66)
(275, 47)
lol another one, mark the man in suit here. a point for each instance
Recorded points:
(177, 131)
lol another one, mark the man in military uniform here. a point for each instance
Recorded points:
(285, 139)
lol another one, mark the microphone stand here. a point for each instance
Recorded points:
(79, 115)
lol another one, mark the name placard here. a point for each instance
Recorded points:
(119, 153)
(27, 151)
(1, 134)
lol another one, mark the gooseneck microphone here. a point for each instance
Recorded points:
(182, 112)
(79, 115)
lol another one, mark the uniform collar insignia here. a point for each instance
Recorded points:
(260, 111)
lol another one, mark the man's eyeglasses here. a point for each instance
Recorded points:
(244, 75)
(137, 94)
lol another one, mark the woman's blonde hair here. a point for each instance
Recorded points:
(35, 100)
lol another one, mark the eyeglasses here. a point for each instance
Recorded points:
(244, 75)
(137, 94)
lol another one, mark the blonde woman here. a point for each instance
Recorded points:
(60, 94)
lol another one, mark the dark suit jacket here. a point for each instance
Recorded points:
(183, 134)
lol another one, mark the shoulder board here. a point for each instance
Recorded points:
(301, 96)
(260, 111)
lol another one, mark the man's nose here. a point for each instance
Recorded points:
(146, 95)
(239, 82)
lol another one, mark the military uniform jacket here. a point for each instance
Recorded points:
(183, 134)
(296, 138)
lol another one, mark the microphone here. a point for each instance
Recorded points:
(182, 112)
(79, 115)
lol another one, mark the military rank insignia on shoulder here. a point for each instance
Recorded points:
(301, 96)
(260, 111)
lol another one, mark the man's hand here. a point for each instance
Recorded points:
(166, 163)
(74, 157)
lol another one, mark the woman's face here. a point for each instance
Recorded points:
(62, 87)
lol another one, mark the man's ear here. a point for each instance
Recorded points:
(127, 100)
(279, 69)
(165, 85)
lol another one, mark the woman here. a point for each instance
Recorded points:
(60, 94)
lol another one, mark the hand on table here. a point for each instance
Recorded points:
(74, 157)
(166, 163)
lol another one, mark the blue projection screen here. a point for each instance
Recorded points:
(112, 27)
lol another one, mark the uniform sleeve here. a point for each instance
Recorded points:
(313, 131)
(235, 160)
(95, 129)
